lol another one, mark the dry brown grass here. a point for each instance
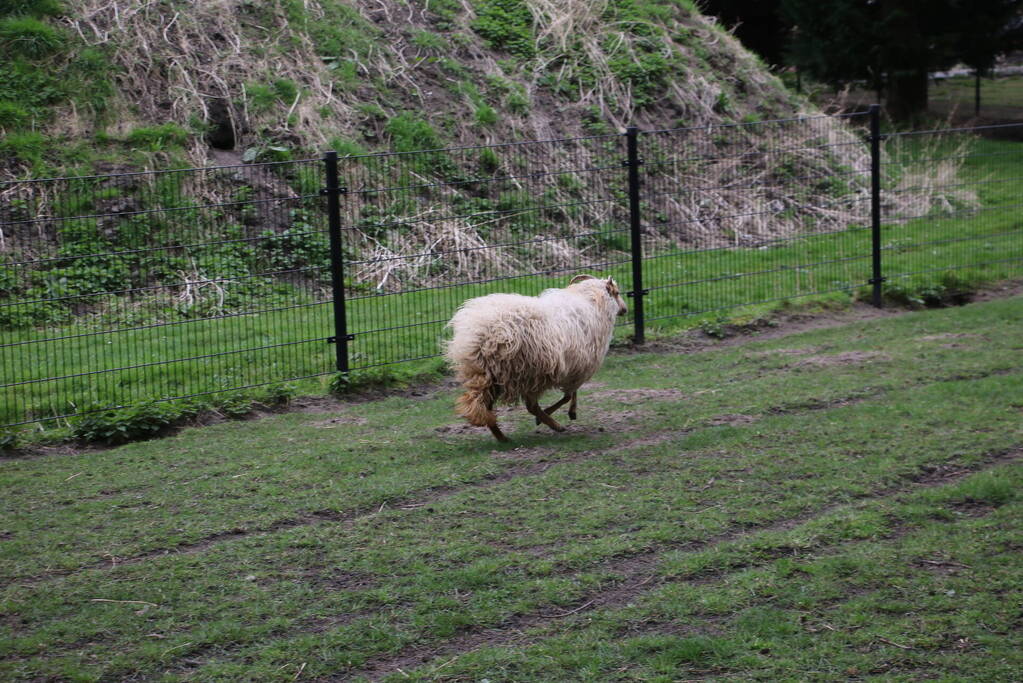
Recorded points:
(174, 63)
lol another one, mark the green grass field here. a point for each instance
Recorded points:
(830, 503)
(251, 350)
(1001, 97)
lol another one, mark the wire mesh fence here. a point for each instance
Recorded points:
(149, 286)
(752, 213)
(951, 209)
(135, 287)
(428, 230)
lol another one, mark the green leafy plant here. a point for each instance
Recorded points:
(13, 114)
(158, 137)
(25, 36)
(32, 8)
(8, 441)
(428, 40)
(485, 115)
(506, 25)
(235, 407)
(144, 421)
(718, 328)
(950, 289)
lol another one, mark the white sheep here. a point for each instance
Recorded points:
(509, 347)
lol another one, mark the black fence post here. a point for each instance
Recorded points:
(876, 278)
(632, 162)
(333, 192)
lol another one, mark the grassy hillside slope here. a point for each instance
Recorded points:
(98, 85)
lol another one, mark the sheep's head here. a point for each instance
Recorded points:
(612, 290)
(614, 293)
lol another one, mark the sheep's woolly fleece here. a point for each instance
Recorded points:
(512, 347)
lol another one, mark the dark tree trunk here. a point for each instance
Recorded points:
(976, 93)
(907, 94)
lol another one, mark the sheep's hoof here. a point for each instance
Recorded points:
(571, 415)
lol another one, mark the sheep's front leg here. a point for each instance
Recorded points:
(534, 408)
(550, 411)
(572, 405)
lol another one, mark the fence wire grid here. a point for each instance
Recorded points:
(158, 286)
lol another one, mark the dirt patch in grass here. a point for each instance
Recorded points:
(951, 339)
(779, 326)
(844, 358)
(591, 420)
(317, 404)
(972, 508)
(1000, 291)
(940, 565)
(732, 419)
(950, 335)
(773, 353)
(524, 454)
(338, 420)
(627, 395)
(650, 440)
(596, 421)
(708, 625)
(337, 580)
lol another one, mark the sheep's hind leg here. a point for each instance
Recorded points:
(534, 408)
(572, 405)
(496, 431)
(492, 424)
(550, 410)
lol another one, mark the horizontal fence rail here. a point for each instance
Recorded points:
(121, 289)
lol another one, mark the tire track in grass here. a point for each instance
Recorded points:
(638, 574)
(529, 462)
(638, 571)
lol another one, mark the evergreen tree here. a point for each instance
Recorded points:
(894, 44)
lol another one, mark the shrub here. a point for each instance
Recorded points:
(950, 289)
(144, 421)
(489, 161)
(428, 40)
(28, 147)
(8, 441)
(385, 377)
(29, 37)
(718, 328)
(32, 8)
(12, 114)
(260, 96)
(409, 133)
(234, 407)
(485, 115)
(158, 137)
(506, 25)
(276, 394)
(346, 148)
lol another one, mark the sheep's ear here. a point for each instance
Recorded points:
(612, 287)
(580, 278)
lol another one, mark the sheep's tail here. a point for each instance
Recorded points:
(476, 404)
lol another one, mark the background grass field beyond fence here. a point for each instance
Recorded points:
(841, 502)
(210, 281)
